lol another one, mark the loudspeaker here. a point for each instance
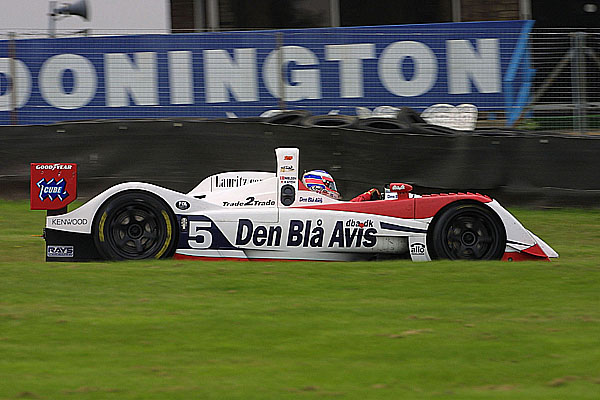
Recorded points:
(79, 8)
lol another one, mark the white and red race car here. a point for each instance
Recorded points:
(272, 216)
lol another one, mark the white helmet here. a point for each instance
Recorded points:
(321, 182)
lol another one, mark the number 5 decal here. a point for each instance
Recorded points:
(199, 236)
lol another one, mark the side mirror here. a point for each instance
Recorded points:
(402, 189)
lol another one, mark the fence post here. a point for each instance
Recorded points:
(12, 54)
(334, 13)
(51, 20)
(279, 36)
(213, 15)
(578, 82)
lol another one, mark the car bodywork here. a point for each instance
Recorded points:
(253, 215)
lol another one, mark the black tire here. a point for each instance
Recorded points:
(330, 121)
(409, 116)
(428, 129)
(467, 231)
(292, 117)
(381, 124)
(134, 226)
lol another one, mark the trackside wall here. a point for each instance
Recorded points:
(541, 169)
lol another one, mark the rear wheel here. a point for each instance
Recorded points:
(134, 226)
(467, 232)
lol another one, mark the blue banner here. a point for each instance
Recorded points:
(213, 74)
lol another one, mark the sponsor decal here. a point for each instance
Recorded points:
(287, 180)
(310, 199)
(308, 233)
(318, 189)
(326, 192)
(288, 158)
(59, 251)
(233, 181)
(182, 205)
(398, 187)
(361, 224)
(184, 224)
(52, 189)
(286, 168)
(417, 249)
(352, 237)
(52, 186)
(54, 166)
(68, 221)
(249, 202)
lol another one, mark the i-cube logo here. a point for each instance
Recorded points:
(52, 189)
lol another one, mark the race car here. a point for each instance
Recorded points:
(253, 215)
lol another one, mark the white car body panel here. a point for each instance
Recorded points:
(246, 215)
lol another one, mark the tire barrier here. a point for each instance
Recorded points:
(428, 129)
(330, 121)
(383, 125)
(462, 117)
(243, 119)
(500, 132)
(409, 116)
(292, 117)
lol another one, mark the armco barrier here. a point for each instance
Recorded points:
(517, 168)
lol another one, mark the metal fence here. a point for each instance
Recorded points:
(566, 91)
(518, 77)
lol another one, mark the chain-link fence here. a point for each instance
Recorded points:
(566, 91)
(516, 76)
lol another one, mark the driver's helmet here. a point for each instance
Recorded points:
(321, 182)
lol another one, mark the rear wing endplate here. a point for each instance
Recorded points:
(52, 186)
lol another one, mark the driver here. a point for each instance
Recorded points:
(322, 182)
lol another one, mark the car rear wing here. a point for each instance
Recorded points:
(52, 186)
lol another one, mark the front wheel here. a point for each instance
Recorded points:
(134, 226)
(467, 232)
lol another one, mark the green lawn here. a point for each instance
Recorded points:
(292, 330)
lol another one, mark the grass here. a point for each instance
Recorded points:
(299, 330)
